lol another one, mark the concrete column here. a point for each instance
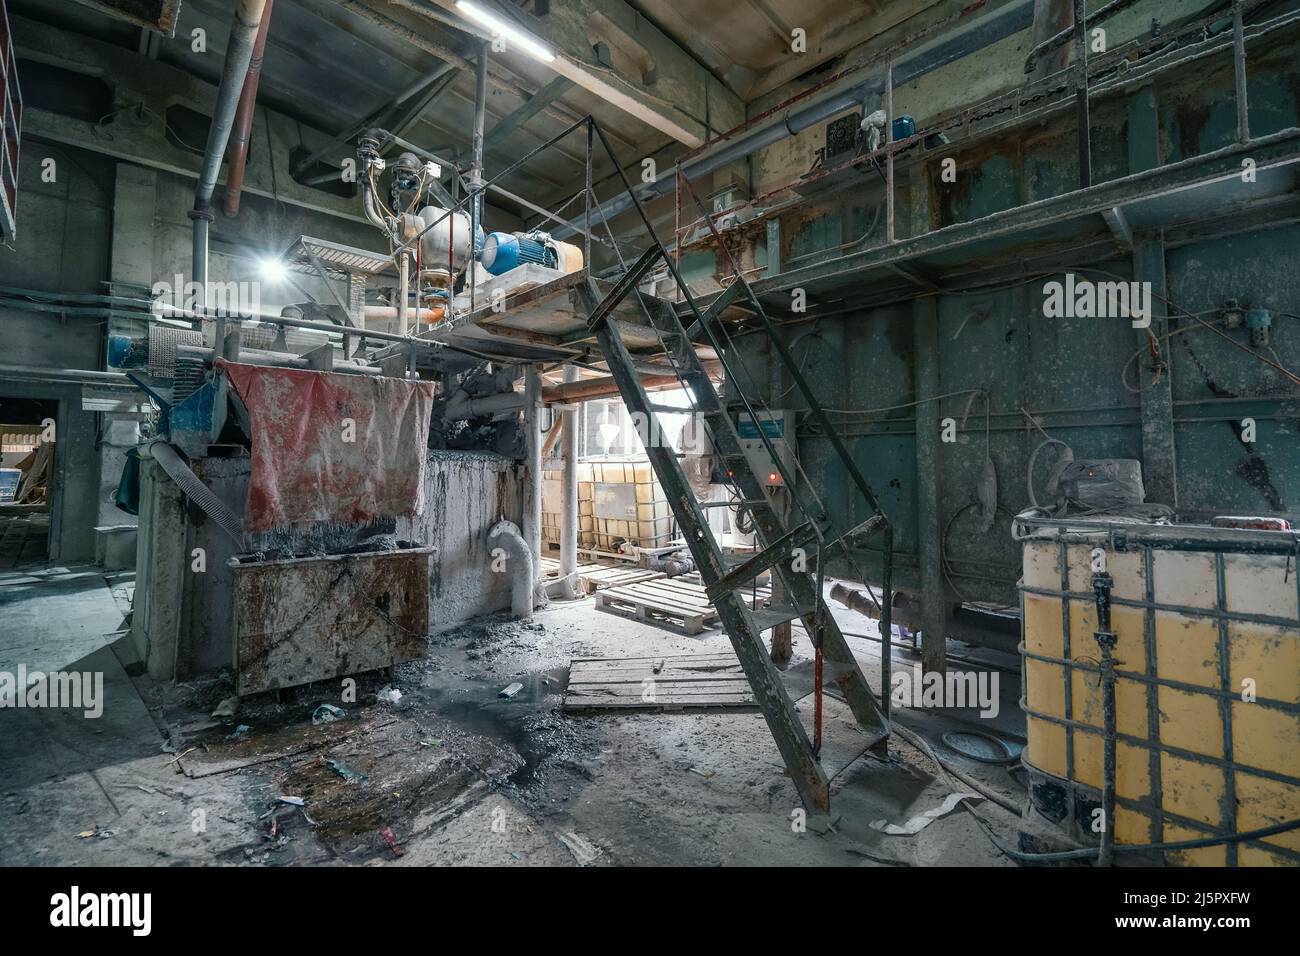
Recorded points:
(934, 605)
(569, 512)
(132, 268)
(131, 272)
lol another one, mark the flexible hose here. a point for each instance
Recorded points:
(197, 491)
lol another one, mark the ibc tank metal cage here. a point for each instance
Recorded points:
(1206, 712)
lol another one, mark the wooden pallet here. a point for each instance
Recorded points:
(657, 683)
(763, 592)
(668, 602)
(596, 577)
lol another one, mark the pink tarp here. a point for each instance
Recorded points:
(304, 467)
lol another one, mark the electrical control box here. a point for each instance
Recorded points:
(779, 427)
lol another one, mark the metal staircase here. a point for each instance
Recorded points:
(789, 548)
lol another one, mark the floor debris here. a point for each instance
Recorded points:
(922, 820)
(584, 851)
(226, 708)
(344, 771)
(327, 714)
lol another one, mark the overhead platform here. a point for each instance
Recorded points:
(529, 315)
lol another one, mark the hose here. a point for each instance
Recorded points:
(1056, 470)
(197, 491)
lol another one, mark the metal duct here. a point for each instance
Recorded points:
(197, 491)
(244, 117)
(239, 53)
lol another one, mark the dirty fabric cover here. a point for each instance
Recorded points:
(303, 469)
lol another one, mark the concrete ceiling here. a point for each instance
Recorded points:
(747, 43)
(329, 67)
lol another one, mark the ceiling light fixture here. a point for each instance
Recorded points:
(502, 28)
(274, 270)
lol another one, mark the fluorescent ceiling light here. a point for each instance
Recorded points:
(505, 29)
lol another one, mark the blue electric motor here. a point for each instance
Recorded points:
(503, 251)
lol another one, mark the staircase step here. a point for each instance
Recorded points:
(769, 617)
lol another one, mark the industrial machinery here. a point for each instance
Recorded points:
(504, 251)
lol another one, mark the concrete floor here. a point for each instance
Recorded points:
(24, 539)
(452, 772)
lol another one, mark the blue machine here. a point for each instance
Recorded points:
(904, 126)
(503, 251)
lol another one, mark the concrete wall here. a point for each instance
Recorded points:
(62, 244)
(467, 493)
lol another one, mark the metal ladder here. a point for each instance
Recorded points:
(786, 546)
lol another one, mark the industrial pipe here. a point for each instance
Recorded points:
(270, 358)
(461, 406)
(569, 507)
(379, 313)
(1106, 640)
(244, 117)
(505, 534)
(239, 53)
(533, 463)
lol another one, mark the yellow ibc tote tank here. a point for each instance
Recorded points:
(1207, 686)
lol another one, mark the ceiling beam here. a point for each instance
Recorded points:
(646, 75)
(543, 98)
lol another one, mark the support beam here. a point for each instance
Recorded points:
(543, 98)
(675, 95)
(1118, 225)
(1159, 474)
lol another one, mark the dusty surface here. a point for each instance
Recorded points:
(451, 773)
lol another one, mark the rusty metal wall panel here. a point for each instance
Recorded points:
(307, 619)
(160, 15)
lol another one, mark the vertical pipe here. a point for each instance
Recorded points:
(239, 53)
(889, 149)
(476, 168)
(403, 292)
(244, 117)
(1101, 588)
(819, 656)
(1082, 107)
(480, 116)
(199, 271)
(586, 242)
(569, 514)
(533, 469)
(1239, 65)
